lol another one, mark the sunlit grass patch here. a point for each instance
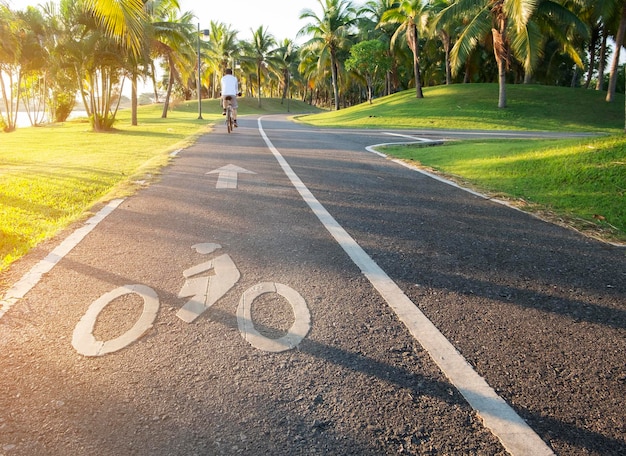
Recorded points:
(582, 181)
(475, 106)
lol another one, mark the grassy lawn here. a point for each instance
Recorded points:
(580, 183)
(474, 107)
(53, 176)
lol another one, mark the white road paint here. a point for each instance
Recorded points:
(32, 277)
(512, 431)
(206, 283)
(412, 167)
(228, 175)
(83, 339)
(295, 334)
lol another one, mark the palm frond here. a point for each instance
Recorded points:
(123, 20)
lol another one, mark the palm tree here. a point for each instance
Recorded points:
(287, 63)
(63, 85)
(33, 64)
(498, 17)
(619, 10)
(412, 15)
(330, 34)
(98, 62)
(552, 20)
(171, 38)
(223, 50)
(606, 13)
(446, 31)
(309, 71)
(10, 54)
(371, 15)
(262, 49)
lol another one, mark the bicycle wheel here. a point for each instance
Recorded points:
(229, 119)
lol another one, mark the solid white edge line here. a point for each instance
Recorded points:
(512, 431)
(32, 277)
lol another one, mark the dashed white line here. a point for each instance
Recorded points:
(512, 431)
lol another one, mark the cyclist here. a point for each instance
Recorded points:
(230, 88)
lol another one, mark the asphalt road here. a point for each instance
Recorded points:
(325, 293)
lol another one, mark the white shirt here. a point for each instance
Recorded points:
(230, 85)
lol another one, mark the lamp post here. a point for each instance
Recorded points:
(199, 88)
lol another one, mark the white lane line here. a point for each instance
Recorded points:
(512, 431)
(32, 277)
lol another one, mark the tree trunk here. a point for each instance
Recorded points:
(333, 68)
(414, 45)
(154, 82)
(592, 55)
(445, 39)
(11, 107)
(258, 76)
(166, 104)
(501, 84)
(286, 84)
(619, 39)
(500, 52)
(133, 100)
(600, 83)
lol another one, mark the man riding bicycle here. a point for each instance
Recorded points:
(230, 88)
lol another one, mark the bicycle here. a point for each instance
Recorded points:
(230, 122)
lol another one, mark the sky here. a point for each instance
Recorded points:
(280, 17)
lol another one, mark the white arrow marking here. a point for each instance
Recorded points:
(228, 175)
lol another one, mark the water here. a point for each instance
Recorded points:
(23, 120)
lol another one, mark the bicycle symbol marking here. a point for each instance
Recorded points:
(205, 284)
(297, 332)
(83, 339)
(205, 289)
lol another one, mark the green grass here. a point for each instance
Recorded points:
(580, 183)
(51, 176)
(474, 106)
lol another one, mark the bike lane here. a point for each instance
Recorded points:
(538, 310)
(190, 383)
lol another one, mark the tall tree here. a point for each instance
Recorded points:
(10, 69)
(261, 50)
(619, 11)
(223, 50)
(33, 63)
(500, 18)
(98, 63)
(412, 16)
(62, 83)
(286, 64)
(552, 28)
(446, 30)
(369, 59)
(370, 19)
(330, 32)
(171, 38)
